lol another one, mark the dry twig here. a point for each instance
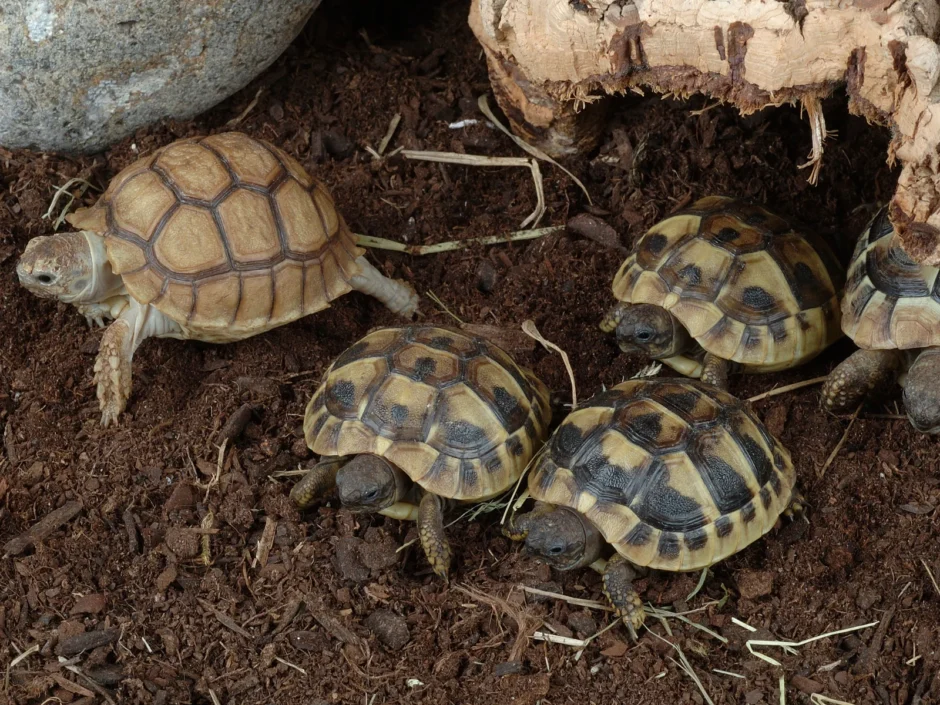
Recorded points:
(835, 451)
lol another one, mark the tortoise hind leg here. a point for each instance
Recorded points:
(431, 533)
(715, 371)
(319, 481)
(398, 296)
(618, 578)
(865, 374)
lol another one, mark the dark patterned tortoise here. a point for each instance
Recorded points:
(675, 474)
(891, 310)
(411, 418)
(726, 285)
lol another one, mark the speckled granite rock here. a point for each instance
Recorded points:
(78, 75)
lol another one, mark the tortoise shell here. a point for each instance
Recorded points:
(890, 300)
(674, 473)
(453, 411)
(226, 235)
(742, 282)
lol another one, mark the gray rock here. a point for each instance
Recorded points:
(79, 76)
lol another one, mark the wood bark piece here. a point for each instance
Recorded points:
(43, 528)
(553, 62)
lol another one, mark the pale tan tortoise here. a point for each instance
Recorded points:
(216, 239)
(674, 474)
(412, 419)
(891, 310)
(725, 285)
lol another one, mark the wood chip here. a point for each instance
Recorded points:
(593, 228)
(86, 641)
(291, 610)
(917, 508)
(806, 685)
(43, 528)
(72, 687)
(338, 630)
(130, 526)
(236, 423)
(225, 619)
(616, 650)
(9, 445)
(265, 543)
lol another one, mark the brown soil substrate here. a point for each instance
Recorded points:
(334, 614)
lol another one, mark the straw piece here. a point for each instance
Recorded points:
(789, 645)
(534, 151)
(381, 243)
(789, 388)
(528, 327)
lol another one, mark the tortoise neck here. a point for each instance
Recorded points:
(103, 282)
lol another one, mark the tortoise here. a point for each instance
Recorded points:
(726, 285)
(674, 473)
(411, 419)
(891, 310)
(216, 239)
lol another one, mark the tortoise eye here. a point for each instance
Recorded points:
(556, 550)
(643, 335)
(44, 279)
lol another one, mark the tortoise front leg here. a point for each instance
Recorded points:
(612, 318)
(431, 533)
(796, 507)
(715, 371)
(864, 375)
(517, 529)
(319, 481)
(618, 576)
(134, 324)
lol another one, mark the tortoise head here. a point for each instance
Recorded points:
(72, 267)
(922, 392)
(369, 483)
(561, 537)
(651, 330)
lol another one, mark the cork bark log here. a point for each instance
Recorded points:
(553, 62)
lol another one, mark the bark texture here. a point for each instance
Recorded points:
(552, 62)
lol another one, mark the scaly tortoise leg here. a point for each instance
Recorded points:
(715, 371)
(431, 533)
(618, 578)
(797, 506)
(319, 481)
(612, 318)
(864, 375)
(517, 529)
(113, 370)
